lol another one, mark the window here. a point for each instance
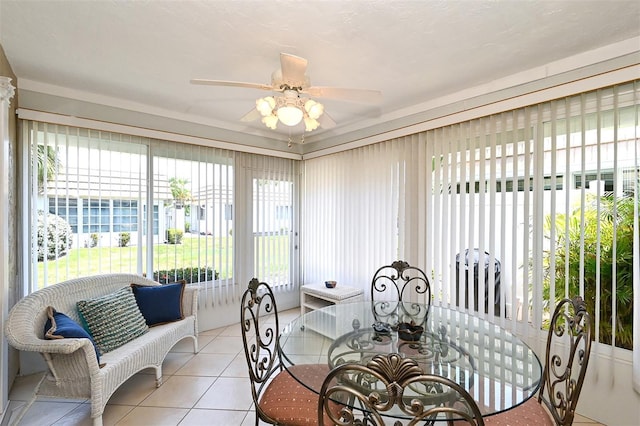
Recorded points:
(66, 209)
(508, 184)
(94, 185)
(193, 186)
(95, 216)
(192, 191)
(592, 177)
(283, 213)
(419, 198)
(272, 239)
(125, 215)
(630, 181)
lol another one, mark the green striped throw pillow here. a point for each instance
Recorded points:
(114, 319)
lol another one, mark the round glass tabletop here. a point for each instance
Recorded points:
(497, 368)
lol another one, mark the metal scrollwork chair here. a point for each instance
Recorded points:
(400, 292)
(567, 357)
(277, 396)
(392, 396)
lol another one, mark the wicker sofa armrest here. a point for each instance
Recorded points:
(33, 344)
(190, 300)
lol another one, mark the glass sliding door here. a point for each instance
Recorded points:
(269, 217)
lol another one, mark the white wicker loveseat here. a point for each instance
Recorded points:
(73, 370)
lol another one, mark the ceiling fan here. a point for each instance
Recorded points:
(293, 104)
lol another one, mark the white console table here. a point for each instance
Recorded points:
(316, 296)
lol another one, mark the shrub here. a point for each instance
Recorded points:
(174, 236)
(94, 240)
(615, 220)
(58, 234)
(123, 239)
(189, 274)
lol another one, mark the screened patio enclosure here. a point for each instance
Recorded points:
(548, 191)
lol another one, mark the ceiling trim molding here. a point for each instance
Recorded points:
(579, 86)
(95, 98)
(95, 108)
(603, 59)
(65, 120)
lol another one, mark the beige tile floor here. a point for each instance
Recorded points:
(207, 388)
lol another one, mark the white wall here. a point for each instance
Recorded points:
(608, 395)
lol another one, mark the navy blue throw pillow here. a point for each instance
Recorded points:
(60, 326)
(160, 304)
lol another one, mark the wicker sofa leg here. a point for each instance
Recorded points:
(25, 407)
(158, 376)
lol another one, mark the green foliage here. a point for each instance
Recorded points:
(179, 191)
(93, 239)
(174, 236)
(58, 234)
(123, 239)
(190, 274)
(48, 165)
(614, 226)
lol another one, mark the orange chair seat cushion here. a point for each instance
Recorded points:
(530, 413)
(291, 403)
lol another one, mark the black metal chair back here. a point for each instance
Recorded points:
(369, 394)
(567, 357)
(401, 293)
(260, 333)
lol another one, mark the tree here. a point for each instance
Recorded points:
(49, 165)
(179, 191)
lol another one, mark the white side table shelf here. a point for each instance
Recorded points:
(316, 296)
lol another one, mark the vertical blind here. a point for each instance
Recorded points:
(89, 190)
(193, 193)
(526, 206)
(268, 219)
(83, 190)
(102, 202)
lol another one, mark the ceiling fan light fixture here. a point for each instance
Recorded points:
(290, 115)
(265, 105)
(271, 121)
(310, 124)
(314, 109)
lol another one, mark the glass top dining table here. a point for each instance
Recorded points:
(497, 368)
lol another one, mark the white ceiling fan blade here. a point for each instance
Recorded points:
(294, 69)
(207, 82)
(355, 95)
(252, 115)
(326, 122)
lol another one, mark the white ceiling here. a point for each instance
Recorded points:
(140, 55)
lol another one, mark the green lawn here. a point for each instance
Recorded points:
(203, 251)
(192, 252)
